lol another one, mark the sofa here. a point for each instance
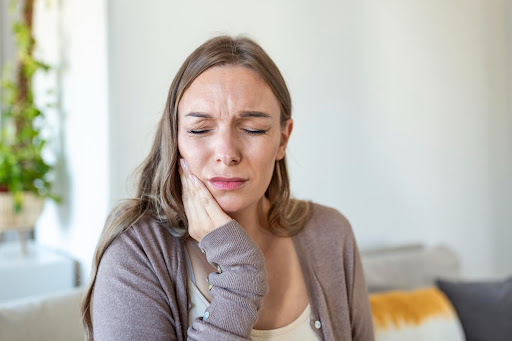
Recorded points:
(419, 293)
(54, 317)
(404, 284)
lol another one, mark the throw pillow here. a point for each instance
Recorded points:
(419, 315)
(484, 308)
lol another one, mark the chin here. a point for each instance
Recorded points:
(230, 207)
(232, 203)
(236, 201)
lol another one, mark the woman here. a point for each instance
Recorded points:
(213, 203)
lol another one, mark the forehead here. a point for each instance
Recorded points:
(228, 87)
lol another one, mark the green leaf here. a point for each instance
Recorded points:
(22, 167)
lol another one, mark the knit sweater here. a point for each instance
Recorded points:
(141, 285)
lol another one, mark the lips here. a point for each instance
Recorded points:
(219, 178)
(227, 184)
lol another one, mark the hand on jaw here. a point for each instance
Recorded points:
(203, 212)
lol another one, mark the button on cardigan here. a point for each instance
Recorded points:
(141, 286)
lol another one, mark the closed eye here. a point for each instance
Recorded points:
(255, 132)
(250, 132)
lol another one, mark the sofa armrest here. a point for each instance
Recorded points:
(53, 317)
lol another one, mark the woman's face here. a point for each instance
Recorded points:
(229, 134)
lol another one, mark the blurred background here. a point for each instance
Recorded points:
(402, 111)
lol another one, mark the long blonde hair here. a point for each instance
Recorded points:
(159, 185)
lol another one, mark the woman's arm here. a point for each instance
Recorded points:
(360, 310)
(135, 287)
(129, 302)
(239, 288)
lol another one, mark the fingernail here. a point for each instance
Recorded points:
(193, 178)
(182, 163)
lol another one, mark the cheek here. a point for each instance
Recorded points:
(188, 147)
(182, 147)
(194, 153)
(185, 149)
(264, 160)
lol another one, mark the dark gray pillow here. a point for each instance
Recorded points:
(484, 308)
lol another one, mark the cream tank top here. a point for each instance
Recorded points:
(298, 330)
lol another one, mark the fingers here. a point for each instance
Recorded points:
(196, 190)
(197, 216)
(208, 202)
(204, 213)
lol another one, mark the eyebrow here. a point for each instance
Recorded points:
(243, 114)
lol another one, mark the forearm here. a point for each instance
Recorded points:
(239, 288)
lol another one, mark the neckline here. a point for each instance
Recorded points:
(195, 290)
(259, 332)
(308, 273)
(303, 317)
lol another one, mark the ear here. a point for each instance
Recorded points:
(285, 136)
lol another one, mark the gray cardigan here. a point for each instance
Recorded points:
(141, 286)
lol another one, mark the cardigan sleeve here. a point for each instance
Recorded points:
(360, 310)
(130, 302)
(239, 285)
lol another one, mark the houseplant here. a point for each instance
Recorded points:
(24, 174)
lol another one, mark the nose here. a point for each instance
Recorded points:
(227, 149)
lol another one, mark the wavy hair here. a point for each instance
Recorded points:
(159, 185)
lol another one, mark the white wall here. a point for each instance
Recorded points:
(503, 182)
(403, 108)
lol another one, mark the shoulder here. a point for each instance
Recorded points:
(140, 280)
(327, 229)
(328, 221)
(148, 230)
(144, 243)
(330, 242)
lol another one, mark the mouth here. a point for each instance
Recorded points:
(227, 184)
